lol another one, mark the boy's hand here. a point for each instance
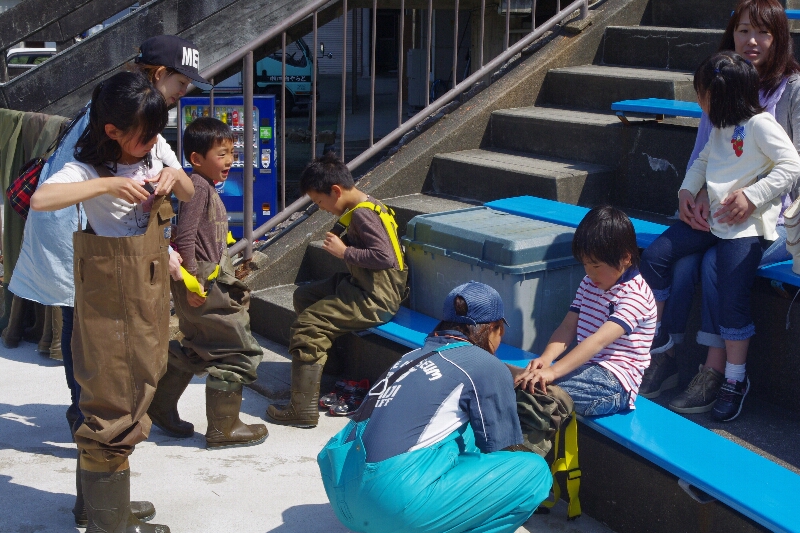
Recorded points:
(125, 189)
(334, 245)
(542, 377)
(175, 261)
(736, 208)
(195, 300)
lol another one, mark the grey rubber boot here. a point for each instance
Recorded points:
(225, 429)
(144, 511)
(163, 411)
(302, 410)
(107, 498)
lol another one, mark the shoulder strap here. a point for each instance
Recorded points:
(383, 384)
(386, 214)
(66, 130)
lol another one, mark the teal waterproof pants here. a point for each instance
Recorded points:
(448, 487)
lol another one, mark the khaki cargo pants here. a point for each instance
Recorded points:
(340, 304)
(216, 335)
(120, 337)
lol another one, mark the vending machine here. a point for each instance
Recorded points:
(230, 109)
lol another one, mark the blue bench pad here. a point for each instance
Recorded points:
(739, 478)
(659, 106)
(568, 215)
(646, 232)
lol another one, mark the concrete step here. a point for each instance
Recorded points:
(587, 136)
(408, 206)
(493, 174)
(362, 356)
(657, 47)
(596, 87)
(713, 14)
(649, 159)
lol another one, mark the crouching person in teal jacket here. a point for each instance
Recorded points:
(433, 447)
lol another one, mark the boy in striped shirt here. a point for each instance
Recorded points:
(613, 318)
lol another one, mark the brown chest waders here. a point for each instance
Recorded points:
(216, 335)
(120, 337)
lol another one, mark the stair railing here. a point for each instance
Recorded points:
(245, 55)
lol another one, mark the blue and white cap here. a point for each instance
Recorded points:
(484, 304)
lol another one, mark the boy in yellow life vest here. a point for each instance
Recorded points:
(368, 295)
(211, 304)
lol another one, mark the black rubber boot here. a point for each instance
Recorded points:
(163, 410)
(302, 410)
(225, 429)
(107, 499)
(12, 334)
(144, 511)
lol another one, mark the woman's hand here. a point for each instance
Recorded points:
(736, 208)
(524, 376)
(701, 211)
(693, 211)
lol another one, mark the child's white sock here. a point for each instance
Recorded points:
(736, 372)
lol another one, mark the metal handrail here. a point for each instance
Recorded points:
(245, 245)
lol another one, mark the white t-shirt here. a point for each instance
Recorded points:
(110, 216)
(757, 156)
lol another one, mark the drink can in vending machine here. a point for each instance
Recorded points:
(235, 117)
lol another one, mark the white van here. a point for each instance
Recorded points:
(20, 60)
(299, 76)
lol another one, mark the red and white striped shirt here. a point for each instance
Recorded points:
(630, 304)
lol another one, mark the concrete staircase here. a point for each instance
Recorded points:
(217, 27)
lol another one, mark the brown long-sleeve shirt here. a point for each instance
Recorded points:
(368, 244)
(202, 225)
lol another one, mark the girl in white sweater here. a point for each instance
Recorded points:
(748, 162)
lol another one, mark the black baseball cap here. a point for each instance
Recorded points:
(173, 52)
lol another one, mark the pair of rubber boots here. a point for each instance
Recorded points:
(103, 504)
(225, 429)
(303, 408)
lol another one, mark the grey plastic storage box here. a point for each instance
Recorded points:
(529, 262)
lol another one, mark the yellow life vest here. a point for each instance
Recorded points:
(386, 215)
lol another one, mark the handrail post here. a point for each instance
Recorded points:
(247, 178)
(584, 9)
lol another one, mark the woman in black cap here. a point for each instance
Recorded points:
(430, 449)
(44, 270)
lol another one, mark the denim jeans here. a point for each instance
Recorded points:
(595, 390)
(710, 333)
(685, 277)
(737, 263)
(67, 314)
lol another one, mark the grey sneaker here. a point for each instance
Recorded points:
(701, 394)
(661, 375)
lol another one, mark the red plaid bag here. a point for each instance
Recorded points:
(22, 188)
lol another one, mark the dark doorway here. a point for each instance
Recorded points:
(387, 24)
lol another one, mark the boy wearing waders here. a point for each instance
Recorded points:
(367, 296)
(211, 304)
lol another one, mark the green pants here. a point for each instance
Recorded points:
(340, 304)
(216, 335)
